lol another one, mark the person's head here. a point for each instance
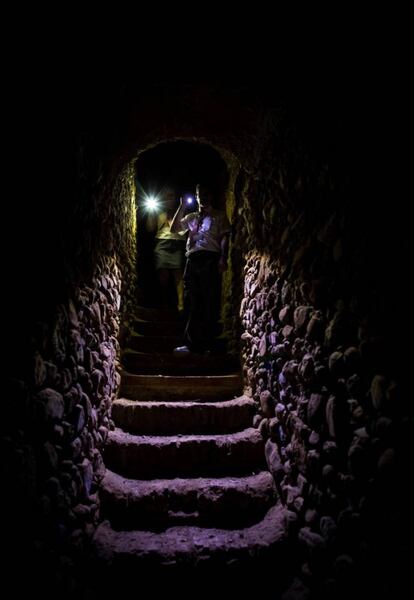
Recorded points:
(204, 195)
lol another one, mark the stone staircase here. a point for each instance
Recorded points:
(186, 483)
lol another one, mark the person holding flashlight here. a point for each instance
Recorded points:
(169, 250)
(206, 251)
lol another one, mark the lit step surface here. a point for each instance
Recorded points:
(162, 418)
(226, 502)
(153, 457)
(170, 387)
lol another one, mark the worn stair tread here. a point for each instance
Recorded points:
(122, 437)
(189, 544)
(171, 387)
(187, 404)
(131, 489)
(161, 417)
(166, 343)
(156, 327)
(191, 357)
(155, 314)
(136, 335)
(179, 379)
(161, 327)
(154, 456)
(228, 502)
(169, 364)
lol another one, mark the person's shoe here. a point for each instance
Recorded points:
(181, 351)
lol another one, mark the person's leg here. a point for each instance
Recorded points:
(193, 302)
(201, 282)
(189, 302)
(210, 284)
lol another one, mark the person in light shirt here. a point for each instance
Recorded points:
(169, 249)
(206, 250)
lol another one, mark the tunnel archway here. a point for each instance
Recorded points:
(182, 165)
(321, 336)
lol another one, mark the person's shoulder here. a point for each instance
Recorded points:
(189, 216)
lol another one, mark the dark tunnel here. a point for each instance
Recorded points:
(283, 456)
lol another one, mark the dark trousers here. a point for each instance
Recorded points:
(202, 291)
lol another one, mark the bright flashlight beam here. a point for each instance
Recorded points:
(151, 203)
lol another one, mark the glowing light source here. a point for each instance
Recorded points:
(189, 200)
(151, 203)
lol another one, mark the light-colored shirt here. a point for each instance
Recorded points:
(207, 230)
(163, 231)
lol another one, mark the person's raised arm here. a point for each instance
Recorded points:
(175, 226)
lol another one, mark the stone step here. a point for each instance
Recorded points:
(168, 364)
(160, 343)
(160, 418)
(157, 328)
(145, 313)
(164, 328)
(167, 343)
(129, 552)
(152, 457)
(226, 502)
(169, 388)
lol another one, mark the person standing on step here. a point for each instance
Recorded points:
(169, 250)
(206, 251)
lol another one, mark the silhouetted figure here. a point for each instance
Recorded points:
(207, 246)
(169, 251)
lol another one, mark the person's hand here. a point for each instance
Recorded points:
(222, 264)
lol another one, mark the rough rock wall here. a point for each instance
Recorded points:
(325, 372)
(64, 372)
(63, 409)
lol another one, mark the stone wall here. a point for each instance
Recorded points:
(323, 363)
(63, 335)
(53, 462)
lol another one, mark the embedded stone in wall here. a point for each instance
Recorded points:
(301, 317)
(53, 403)
(315, 328)
(267, 404)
